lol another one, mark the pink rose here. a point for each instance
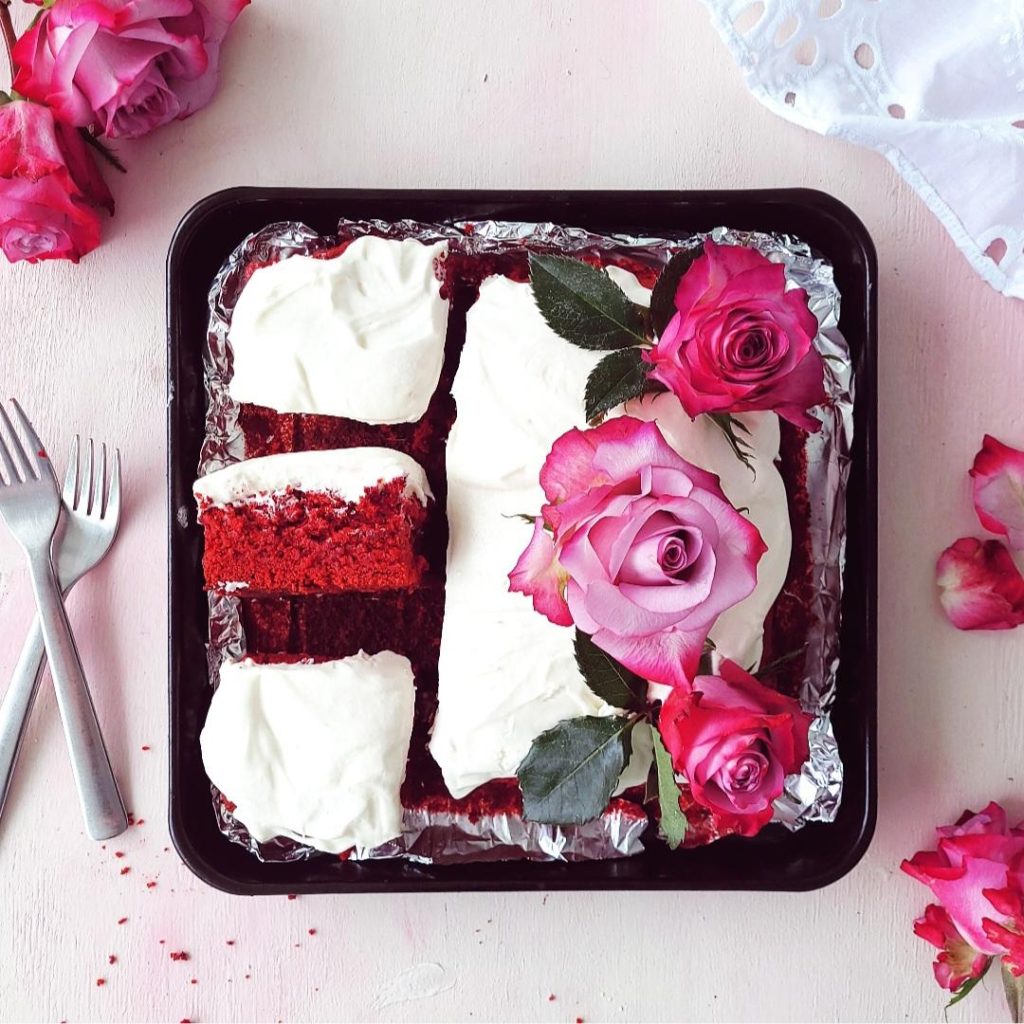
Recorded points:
(958, 961)
(735, 740)
(739, 341)
(126, 66)
(973, 856)
(50, 188)
(980, 587)
(998, 483)
(644, 550)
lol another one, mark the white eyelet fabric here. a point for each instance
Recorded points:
(935, 85)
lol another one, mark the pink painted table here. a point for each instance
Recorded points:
(414, 94)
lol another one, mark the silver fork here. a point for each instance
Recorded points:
(90, 526)
(30, 505)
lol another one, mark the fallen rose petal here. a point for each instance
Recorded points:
(980, 587)
(998, 483)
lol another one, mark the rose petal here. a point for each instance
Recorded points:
(998, 483)
(538, 574)
(980, 587)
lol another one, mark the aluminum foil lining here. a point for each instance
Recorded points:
(814, 794)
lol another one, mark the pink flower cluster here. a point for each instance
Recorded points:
(643, 551)
(980, 586)
(117, 68)
(976, 874)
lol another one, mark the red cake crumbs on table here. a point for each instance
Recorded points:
(100, 982)
(111, 959)
(307, 542)
(180, 955)
(122, 920)
(125, 870)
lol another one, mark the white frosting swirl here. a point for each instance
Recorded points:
(360, 335)
(314, 752)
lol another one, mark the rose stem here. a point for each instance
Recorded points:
(9, 37)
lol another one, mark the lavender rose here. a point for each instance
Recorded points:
(637, 547)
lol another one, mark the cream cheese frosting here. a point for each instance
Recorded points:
(507, 674)
(346, 472)
(360, 335)
(314, 752)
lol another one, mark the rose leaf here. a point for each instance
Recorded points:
(672, 823)
(584, 305)
(612, 682)
(617, 378)
(569, 774)
(663, 298)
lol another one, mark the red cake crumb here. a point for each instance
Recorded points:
(180, 955)
(119, 853)
(312, 931)
(145, 746)
(122, 920)
(292, 896)
(111, 959)
(125, 870)
(100, 982)
(312, 542)
(151, 885)
(230, 942)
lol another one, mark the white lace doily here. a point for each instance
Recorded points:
(935, 85)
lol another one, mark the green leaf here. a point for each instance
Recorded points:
(673, 822)
(584, 305)
(663, 298)
(612, 682)
(569, 774)
(967, 987)
(617, 378)
(730, 426)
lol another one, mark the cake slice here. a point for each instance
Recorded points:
(360, 335)
(314, 522)
(313, 751)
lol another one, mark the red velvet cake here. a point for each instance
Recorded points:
(314, 522)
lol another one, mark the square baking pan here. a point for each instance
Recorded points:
(775, 859)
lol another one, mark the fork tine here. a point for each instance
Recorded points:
(8, 462)
(36, 454)
(86, 492)
(70, 493)
(99, 484)
(113, 510)
(19, 453)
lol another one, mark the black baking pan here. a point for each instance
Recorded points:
(775, 859)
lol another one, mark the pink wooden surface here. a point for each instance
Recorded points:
(493, 94)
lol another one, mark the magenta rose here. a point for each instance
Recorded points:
(980, 586)
(739, 340)
(973, 856)
(637, 547)
(125, 66)
(735, 740)
(51, 191)
(958, 961)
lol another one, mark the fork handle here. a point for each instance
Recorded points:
(97, 789)
(17, 706)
